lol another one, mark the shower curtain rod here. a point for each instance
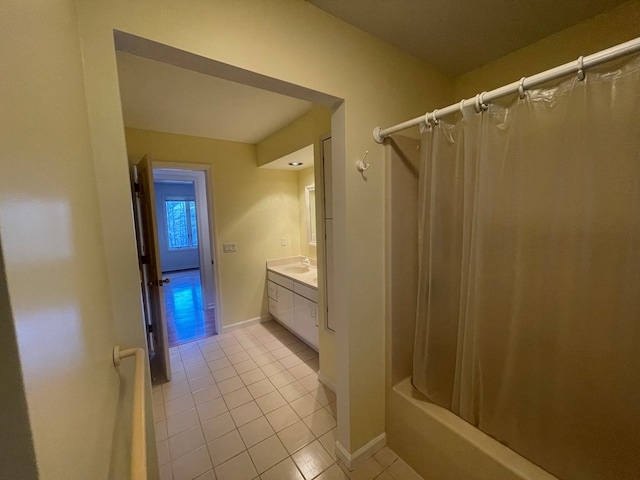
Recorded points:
(479, 101)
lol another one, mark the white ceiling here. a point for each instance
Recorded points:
(161, 97)
(453, 35)
(457, 36)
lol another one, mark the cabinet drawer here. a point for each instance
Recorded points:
(272, 290)
(273, 307)
(280, 280)
(307, 292)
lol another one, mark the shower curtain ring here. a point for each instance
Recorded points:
(483, 105)
(462, 106)
(581, 74)
(435, 118)
(521, 91)
(427, 122)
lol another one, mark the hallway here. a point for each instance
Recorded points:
(186, 320)
(248, 405)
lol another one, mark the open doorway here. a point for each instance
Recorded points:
(186, 255)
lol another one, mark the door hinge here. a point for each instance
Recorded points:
(137, 191)
(150, 328)
(144, 259)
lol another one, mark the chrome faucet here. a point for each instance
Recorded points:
(306, 261)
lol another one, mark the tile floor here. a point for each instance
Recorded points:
(248, 405)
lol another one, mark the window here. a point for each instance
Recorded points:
(182, 228)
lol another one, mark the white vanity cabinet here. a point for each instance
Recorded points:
(294, 305)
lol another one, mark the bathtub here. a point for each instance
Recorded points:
(441, 446)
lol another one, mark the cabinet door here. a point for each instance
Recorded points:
(306, 313)
(285, 306)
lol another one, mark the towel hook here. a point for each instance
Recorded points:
(361, 165)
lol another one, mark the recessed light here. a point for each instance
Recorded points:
(295, 164)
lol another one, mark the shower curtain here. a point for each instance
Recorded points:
(528, 314)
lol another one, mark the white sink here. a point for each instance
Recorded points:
(295, 269)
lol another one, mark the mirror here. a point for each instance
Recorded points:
(310, 194)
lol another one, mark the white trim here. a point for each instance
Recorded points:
(357, 458)
(326, 382)
(246, 323)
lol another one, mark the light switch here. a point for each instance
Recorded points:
(283, 241)
(229, 247)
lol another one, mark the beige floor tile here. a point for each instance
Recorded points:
(305, 405)
(333, 473)
(252, 376)
(179, 405)
(225, 447)
(369, 470)
(306, 354)
(224, 374)
(292, 391)
(181, 422)
(320, 422)
(239, 357)
(207, 476)
(219, 364)
(328, 441)
(281, 353)
(257, 351)
(311, 382)
(272, 368)
(159, 414)
(230, 350)
(281, 379)
(245, 366)
(270, 402)
(197, 371)
(296, 436)
(166, 472)
(161, 431)
(312, 460)
(256, 431)
(186, 442)
(385, 457)
(300, 371)
(333, 409)
(399, 470)
(191, 465)
(206, 394)
(229, 385)
(267, 453)
(324, 395)
(261, 388)
(384, 476)
(211, 409)
(290, 361)
(218, 426)
(239, 467)
(214, 355)
(245, 413)
(264, 359)
(194, 362)
(173, 390)
(282, 417)
(285, 470)
(162, 447)
(237, 398)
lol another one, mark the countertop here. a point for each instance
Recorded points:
(295, 269)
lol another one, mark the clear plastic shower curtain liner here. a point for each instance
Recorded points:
(528, 315)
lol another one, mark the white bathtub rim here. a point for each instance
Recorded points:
(501, 454)
(357, 458)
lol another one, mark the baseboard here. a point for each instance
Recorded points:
(326, 382)
(357, 458)
(246, 323)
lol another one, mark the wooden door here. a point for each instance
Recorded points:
(151, 270)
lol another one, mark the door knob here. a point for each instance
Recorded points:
(159, 282)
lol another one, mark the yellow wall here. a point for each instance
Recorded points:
(301, 45)
(54, 256)
(253, 207)
(602, 31)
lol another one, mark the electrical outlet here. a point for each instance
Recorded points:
(283, 241)
(229, 247)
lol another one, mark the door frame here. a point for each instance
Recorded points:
(200, 174)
